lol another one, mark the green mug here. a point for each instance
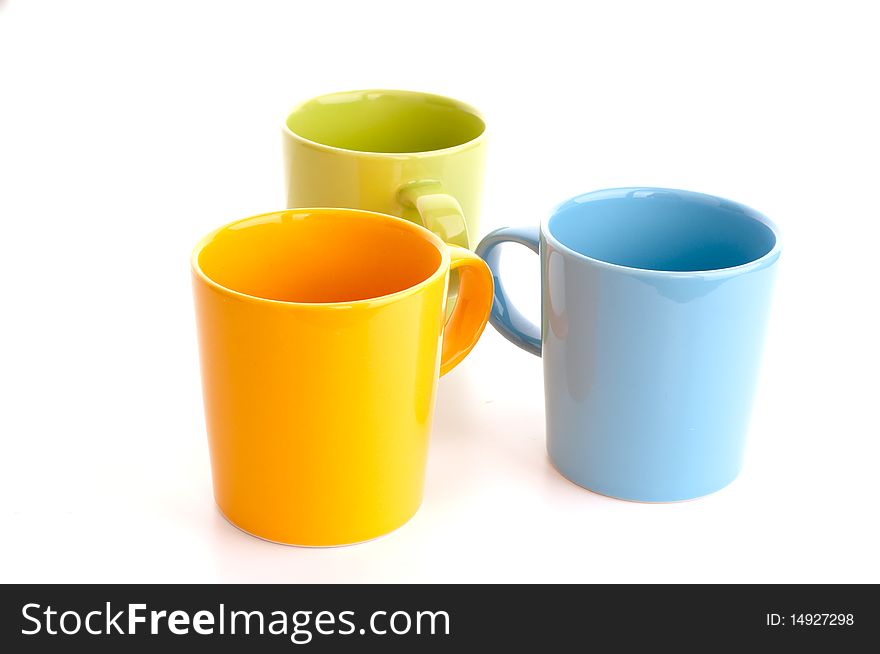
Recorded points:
(414, 155)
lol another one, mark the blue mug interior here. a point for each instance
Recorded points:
(662, 230)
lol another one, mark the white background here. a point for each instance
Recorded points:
(127, 130)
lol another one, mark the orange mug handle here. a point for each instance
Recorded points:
(471, 312)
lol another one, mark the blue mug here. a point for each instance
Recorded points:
(654, 308)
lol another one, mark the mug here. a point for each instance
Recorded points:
(654, 307)
(322, 336)
(413, 155)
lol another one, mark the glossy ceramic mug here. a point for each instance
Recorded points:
(654, 306)
(414, 155)
(322, 336)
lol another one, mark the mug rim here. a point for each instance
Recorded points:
(623, 191)
(317, 145)
(378, 300)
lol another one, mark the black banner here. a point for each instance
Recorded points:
(169, 618)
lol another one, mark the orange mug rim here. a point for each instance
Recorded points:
(418, 230)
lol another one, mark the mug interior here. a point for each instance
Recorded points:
(319, 256)
(386, 122)
(662, 230)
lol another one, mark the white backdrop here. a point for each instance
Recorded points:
(127, 130)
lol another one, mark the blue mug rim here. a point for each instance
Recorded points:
(626, 192)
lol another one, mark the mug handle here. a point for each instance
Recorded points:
(506, 318)
(439, 212)
(471, 312)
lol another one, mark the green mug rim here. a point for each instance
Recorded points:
(458, 104)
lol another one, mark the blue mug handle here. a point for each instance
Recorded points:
(505, 317)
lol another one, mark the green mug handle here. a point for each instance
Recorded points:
(438, 211)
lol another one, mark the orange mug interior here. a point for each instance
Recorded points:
(319, 256)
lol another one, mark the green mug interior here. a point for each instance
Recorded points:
(386, 122)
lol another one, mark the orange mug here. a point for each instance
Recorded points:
(322, 334)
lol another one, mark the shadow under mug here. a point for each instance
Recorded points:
(322, 334)
(654, 307)
(414, 155)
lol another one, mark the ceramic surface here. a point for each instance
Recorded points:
(414, 155)
(654, 307)
(322, 337)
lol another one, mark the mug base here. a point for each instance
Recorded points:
(313, 547)
(637, 500)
